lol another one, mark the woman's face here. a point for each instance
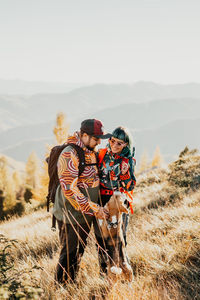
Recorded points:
(117, 145)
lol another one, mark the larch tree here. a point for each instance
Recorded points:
(3, 173)
(42, 191)
(3, 179)
(144, 162)
(32, 169)
(16, 180)
(61, 129)
(6, 184)
(157, 160)
(18, 184)
(61, 133)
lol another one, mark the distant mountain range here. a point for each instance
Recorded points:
(141, 90)
(23, 87)
(164, 115)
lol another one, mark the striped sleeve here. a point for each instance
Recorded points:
(68, 175)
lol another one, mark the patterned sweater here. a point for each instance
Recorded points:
(76, 189)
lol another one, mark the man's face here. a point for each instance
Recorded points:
(90, 141)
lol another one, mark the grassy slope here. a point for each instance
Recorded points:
(163, 242)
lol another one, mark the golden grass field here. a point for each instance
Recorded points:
(163, 245)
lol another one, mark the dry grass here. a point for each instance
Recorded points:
(163, 243)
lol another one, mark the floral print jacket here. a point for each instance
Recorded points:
(117, 170)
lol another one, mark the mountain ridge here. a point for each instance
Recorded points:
(28, 120)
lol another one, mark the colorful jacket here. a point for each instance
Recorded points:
(77, 194)
(117, 171)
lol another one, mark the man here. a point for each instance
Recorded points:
(76, 197)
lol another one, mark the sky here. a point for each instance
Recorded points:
(100, 41)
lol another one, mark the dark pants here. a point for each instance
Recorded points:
(73, 239)
(101, 243)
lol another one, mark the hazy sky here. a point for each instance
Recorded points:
(100, 40)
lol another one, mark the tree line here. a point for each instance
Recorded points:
(21, 192)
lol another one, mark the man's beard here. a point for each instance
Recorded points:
(90, 148)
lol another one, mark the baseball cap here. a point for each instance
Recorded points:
(95, 128)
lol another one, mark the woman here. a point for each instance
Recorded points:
(116, 165)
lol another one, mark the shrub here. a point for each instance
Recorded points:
(185, 172)
(12, 284)
(28, 195)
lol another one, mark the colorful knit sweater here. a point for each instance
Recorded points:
(117, 170)
(73, 185)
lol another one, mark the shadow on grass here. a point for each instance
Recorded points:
(186, 280)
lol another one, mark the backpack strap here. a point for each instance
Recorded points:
(81, 156)
(102, 153)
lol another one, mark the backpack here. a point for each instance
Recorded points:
(52, 161)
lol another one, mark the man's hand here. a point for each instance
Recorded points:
(102, 213)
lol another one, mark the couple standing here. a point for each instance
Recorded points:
(78, 202)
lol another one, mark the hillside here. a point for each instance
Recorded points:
(163, 244)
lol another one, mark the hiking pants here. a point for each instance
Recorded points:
(73, 240)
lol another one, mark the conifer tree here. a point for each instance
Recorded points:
(61, 128)
(61, 132)
(18, 184)
(6, 184)
(144, 162)
(157, 158)
(32, 169)
(10, 196)
(16, 181)
(3, 173)
(3, 179)
(41, 193)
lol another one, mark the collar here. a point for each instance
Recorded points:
(111, 224)
(75, 139)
